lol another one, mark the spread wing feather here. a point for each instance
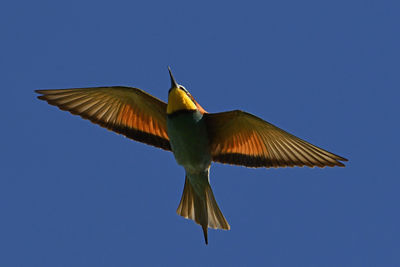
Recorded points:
(240, 138)
(125, 110)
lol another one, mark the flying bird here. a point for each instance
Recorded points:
(195, 137)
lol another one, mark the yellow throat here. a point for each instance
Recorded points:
(179, 100)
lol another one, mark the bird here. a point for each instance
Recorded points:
(195, 137)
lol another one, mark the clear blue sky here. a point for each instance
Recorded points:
(75, 194)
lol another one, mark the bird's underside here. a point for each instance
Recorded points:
(233, 137)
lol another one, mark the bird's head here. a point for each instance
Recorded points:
(179, 99)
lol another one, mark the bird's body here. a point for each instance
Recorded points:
(188, 135)
(195, 137)
(189, 140)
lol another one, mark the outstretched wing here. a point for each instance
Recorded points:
(125, 110)
(240, 138)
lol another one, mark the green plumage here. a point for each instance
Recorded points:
(189, 140)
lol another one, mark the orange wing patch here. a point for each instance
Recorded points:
(243, 143)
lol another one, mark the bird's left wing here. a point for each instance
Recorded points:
(240, 138)
(125, 110)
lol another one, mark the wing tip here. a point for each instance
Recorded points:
(41, 94)
(45, 91)
(41, 97)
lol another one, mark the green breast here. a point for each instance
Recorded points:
(189, 141)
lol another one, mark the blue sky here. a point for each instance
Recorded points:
(75, 194)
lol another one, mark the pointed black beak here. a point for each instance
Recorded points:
(173, 82)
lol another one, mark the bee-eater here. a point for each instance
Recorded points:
(195, 137)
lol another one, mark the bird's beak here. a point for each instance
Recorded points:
(173, 82)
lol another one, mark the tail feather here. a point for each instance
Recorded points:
(202, 209)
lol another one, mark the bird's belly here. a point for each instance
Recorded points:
(189, 141)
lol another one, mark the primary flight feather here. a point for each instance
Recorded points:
(195, 137)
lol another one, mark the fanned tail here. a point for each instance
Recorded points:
(200, 206)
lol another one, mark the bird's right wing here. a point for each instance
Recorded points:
(240, 138)
(125, 110)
